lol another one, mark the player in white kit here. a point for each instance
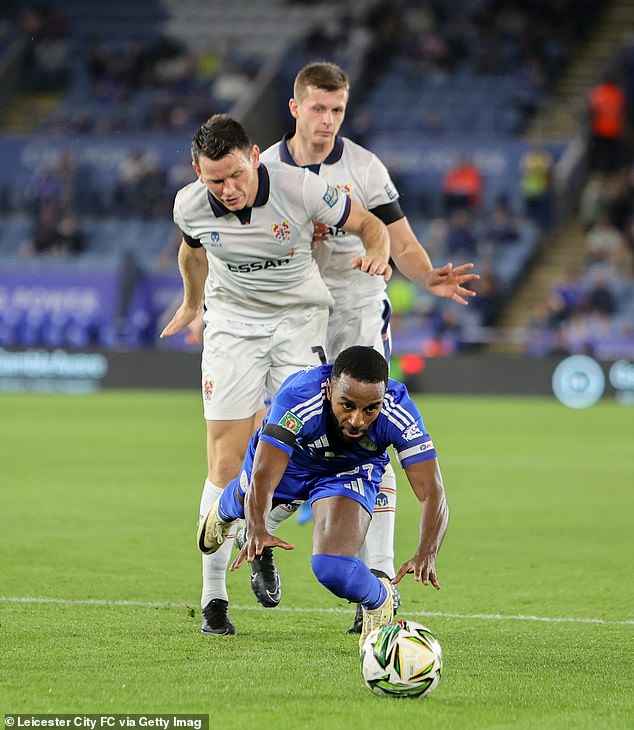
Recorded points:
(362, 310)
(246, 251)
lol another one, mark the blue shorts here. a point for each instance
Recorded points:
(361, 484)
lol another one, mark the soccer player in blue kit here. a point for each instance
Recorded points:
(324, 439)
(361, 314)
(246, 252)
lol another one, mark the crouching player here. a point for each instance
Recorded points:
(325, 440)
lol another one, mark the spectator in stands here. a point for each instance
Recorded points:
(141, 188)
(45, 232)
(488, 300)
(461, 240)
(565, 297)
(46, 62)
(167, 260)
(575, 333)
(605, 244)
(129, 187)
(360, 123)
(435, 237)
(155, 198)
(55, 236)
(97, 60)
(231, 84)
(178, 175)
(606, 106)
(177, 74)
(501, 227)
(462, 185)
(70, 238)
(618, 198)
(153, 83)
(54, 183)
(536, 170)
(422, 40)
(585, 332)
(530, 83)
(607, 195)
(591, 200)
(46, 188)
(600, 299)
(537, 333)
(446, 334)
(628, 240)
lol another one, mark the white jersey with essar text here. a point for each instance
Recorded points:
(357, 172)
(260, 260)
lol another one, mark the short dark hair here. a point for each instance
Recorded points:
(364, 364)
(219, 136)
(322, 75)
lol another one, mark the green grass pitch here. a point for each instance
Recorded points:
(99, 574)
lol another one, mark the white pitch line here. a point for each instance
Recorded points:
(434, 614)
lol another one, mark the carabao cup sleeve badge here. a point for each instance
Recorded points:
(291, 422)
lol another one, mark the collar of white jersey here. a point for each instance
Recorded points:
(261, 197)
(334, 156)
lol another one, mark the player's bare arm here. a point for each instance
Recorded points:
(376, 241)
(412, 260)
(269, 465)
(192, 263)
(426, 481)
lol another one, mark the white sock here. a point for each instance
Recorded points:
(277, 515)
(377, 550)
(214, 566)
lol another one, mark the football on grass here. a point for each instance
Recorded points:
(403, 659)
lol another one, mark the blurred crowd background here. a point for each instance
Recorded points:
(507, 126)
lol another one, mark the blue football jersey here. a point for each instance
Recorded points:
(301, 424)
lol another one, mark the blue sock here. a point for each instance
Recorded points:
(230, 507)
(305, 513)
(349, 578)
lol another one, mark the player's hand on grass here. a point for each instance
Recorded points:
(424, 570)
(255, 545)
(449, 282)
(183, 316)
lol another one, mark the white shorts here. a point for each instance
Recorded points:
(368, 326)
(243, 360)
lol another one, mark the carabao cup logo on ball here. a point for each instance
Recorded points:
(578, 381)
(403, 659)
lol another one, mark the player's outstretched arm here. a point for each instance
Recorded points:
(426, 481)
(376, 242)
(269, 466)
(192, 263)
(413, 261)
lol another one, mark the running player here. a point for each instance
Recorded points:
(247, 231)
(362, 309)
(325, 439)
